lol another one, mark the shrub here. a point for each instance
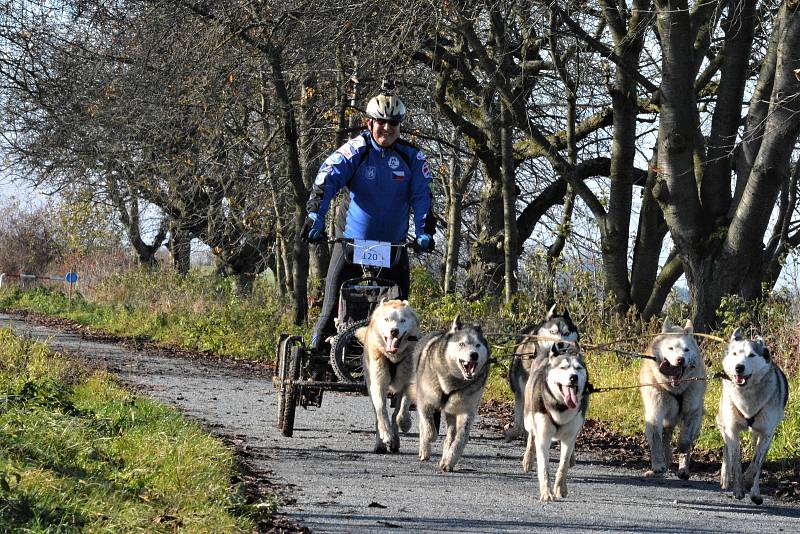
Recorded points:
(28, 241)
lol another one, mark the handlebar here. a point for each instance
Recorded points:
(394, 251)
(350, 240)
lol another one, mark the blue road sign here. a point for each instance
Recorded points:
(71, 277)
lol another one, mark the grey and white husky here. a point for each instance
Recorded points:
(673, 388)
(452, 368)
(556, 400)
(754, 396)
(535, 342)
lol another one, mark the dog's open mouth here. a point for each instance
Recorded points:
(468, 368)
(741, 380)
(392, 344)
(674, 372)
(570, 394)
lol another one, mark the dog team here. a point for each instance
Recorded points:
(445, 373)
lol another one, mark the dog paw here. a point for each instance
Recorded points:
(757, 499)
(747, 480)
(561, 490)
(424, 456)
(738, 493)
(394, 446)
(446, 464)
(654, 473)
(511, 433)
(683, 474)
(404, 422)
(526, 465)
(546, 496)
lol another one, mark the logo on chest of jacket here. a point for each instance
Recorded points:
(369, 172)
(393, 162)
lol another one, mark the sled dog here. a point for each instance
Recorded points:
(556, 400)
(675, 398)
(452, 368)
(535, 342)
(388, 363)
(754, 396)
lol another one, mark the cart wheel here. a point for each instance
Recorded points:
(291, 392)
(281, 367)
(346, 351)
(282, 340)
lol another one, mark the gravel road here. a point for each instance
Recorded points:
(335, 484)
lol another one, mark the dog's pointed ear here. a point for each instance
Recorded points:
(457, 324)
(414, 314)
(566, 314)
(384, 300)
(688, 328)
(405, 303)
(478, 328)
(761, 347)
(551, 312)
(666, 326)
(737, 335)
(556, 348)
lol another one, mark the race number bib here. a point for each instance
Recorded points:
(375, 253)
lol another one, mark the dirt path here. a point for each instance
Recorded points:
(335, 484)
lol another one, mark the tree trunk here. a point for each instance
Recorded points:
(295, 174)
(715, 189)
(300, 254)
(319, 255)
(454, 187)
(487, 271)
(509, 205)
(627, 30)
(180, 247)
(647, 250)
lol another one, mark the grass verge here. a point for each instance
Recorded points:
(80, 454)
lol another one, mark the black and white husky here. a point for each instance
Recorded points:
(452, 368)
(754, 396)
(535, 342)
(556, 400)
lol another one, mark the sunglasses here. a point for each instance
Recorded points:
(383, 122)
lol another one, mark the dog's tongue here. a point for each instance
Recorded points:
(569, 397)
(740, 379)
(392, 344)
(667, 369)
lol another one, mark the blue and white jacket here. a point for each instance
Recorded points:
(383, 186)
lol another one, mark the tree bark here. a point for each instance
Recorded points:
(509, 206)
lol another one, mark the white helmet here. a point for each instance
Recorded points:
(388, 107)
